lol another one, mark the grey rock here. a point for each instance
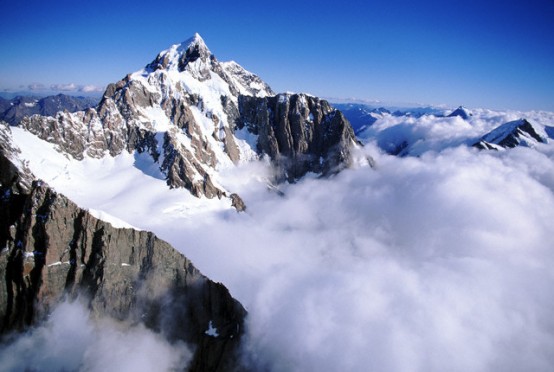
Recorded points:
(18, 176)
(237, 203)
(300, 133)
(183, 169)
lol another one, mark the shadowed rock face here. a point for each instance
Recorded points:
(300, 133)
(53, 250)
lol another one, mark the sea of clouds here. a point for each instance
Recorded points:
(436, 262)
(441, 262)
(431, 263)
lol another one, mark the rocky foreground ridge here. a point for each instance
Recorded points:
(195, 116)
(54, 250)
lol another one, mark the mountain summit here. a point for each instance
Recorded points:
(461, 112)
(192, 51)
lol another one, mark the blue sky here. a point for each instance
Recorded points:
(491, 54)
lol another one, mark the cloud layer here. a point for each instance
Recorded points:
(436, 263)
(70, 340)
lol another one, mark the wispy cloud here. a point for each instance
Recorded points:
(70, 87)
(63, 87)
(36, 86)
(91, 89)
(71, 340)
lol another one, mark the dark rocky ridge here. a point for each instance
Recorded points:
(54, 250)
(299, 132)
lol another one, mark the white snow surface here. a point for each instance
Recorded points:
(435, 262)
(127, 182)
(211, 331)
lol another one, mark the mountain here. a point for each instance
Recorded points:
(363, 116)
(98, 208)
(484, 129)
(15, 109)
(461, 112)
(514, 133)
(184, 110)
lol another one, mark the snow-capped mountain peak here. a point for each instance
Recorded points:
(519, 132)
(179, 56)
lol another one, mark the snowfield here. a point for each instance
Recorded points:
(437, 261)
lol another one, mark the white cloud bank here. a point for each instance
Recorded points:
(437, 263)
(70, 340)
(441, 262)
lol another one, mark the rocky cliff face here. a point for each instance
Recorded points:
(299, 132)
(53, 250)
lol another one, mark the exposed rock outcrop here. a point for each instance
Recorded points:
(299, 132)
(53, 250)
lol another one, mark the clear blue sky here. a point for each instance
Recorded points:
(487, 53)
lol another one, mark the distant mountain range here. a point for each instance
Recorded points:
(14, 109)
(407, 131)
